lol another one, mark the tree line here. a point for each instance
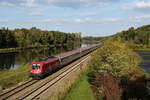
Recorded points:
(92, 40)
(136, 36)
(24, 38)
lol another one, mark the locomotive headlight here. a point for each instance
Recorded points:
(38, 71)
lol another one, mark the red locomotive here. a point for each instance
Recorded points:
(43, 68)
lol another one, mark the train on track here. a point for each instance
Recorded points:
(40, 69)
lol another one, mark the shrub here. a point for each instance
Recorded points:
(120, 64)
(116, 59)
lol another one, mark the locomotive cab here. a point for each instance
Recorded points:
(36, 70)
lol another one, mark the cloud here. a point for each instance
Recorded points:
(94, 20)
(80, 20)
(139, 18)
(90, 20)
(36, 14)
(3, 20)
(60, 3)
(142, 6)
(45, 20)
(77, 3)
(5, 4)
(111, 20)
(29, 3)
(10, 2)
(80, 3)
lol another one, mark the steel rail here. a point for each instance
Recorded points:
(17, 89)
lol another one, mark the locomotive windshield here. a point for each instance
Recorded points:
(36, 66)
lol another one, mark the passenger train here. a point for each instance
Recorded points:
(40, 69)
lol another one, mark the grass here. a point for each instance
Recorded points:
(13, 77)
(81, 91)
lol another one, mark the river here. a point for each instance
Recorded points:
(14, 60)
(145, 55)
(23, 57)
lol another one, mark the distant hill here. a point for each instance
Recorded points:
(92, 40)
(139, 37)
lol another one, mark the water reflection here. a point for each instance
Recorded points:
(145, 55)
(7, 60)
(17, 59)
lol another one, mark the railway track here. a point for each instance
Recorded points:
(28, 91)
(17, 89)
(35, 94)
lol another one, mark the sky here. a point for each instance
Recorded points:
(90, 17)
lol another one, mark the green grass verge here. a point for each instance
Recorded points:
(81, 91)
(13, 77)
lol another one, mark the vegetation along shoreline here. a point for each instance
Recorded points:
(18, 39)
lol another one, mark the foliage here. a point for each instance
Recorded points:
(108, 87)
(139, 37)
(7, 38)
(92, 40)
(116, 67)
(30, 37)
(114, 58)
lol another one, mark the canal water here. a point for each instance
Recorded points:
(145, 55)
(20, 58)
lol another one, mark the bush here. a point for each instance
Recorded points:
(107, 87)
(115, 58)
(114, 68)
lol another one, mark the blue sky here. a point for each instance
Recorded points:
(90, 17)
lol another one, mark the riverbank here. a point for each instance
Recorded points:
(8, 50)
(145, 55)
(13, 77)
